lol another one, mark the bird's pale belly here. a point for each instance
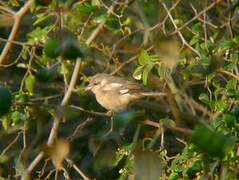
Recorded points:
(114, 102)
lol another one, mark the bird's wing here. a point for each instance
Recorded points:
(122, 86)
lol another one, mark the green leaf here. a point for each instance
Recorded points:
(113, 25)
(199, 69)
(174, 176)
(235, 110)
(85, 8)
(38, 35)
(127, 21)
(211, 142)
(197, 27)
(220, 105)
(100, 18)
(144, 57)
(16, 117)
(230, 120)
(5, 100)
(95, 3)
(52, 48)
(138, 73)
(145, 76)
(232, 93)
(41, 18)
(47, 74)
(30, 83)
(5, 122)
(148, 165)
(146, 72)
(21, 97)
(232, 84)
(106, 156)
(195, 168)
(71, 48)
(204, 98)
(122, 119)
(194, 40)
(14, 3)
(226, 45)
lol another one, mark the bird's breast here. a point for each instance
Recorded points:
(113, 101)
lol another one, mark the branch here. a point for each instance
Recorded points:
(203, 20)
(17, 20)
(69, 161)
(6, 10)
(10, 145)
(184, 42)
(173, 128)
(196, 17)
(90, 112)
(229, 74)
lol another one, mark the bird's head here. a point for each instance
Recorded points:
(97, 82)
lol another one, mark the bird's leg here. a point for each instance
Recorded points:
(112, 122)
(111, 115)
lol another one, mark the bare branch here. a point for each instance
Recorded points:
(11, 144)
(196, 17)
(18, 17)
(77, 169)
(178, 31)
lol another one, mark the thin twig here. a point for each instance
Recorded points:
(41, 173)
(196, 17)
(90, 112)
(56, 175)
(79, 128)
(66, 174)
(203, 20)
(14, 42)
(166, 17)
(15, 61)
(173, 128)
(11, 144)
(230, 74)
(49, 174)
(197, 105)
(178, 31)
(123, 65)
(32, 53)
(77, 169)
(7, 10)
(132, 59)
(45, 98)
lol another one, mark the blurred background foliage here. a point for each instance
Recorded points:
(189, 48)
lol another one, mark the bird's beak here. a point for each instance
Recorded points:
(89, 87)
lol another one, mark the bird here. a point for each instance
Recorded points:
(116, 93)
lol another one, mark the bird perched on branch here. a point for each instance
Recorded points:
(115, 93)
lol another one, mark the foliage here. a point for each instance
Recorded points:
(186, 48)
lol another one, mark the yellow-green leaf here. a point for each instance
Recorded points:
(30, 83)
(144, 57)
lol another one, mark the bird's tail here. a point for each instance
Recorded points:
(155, 94)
